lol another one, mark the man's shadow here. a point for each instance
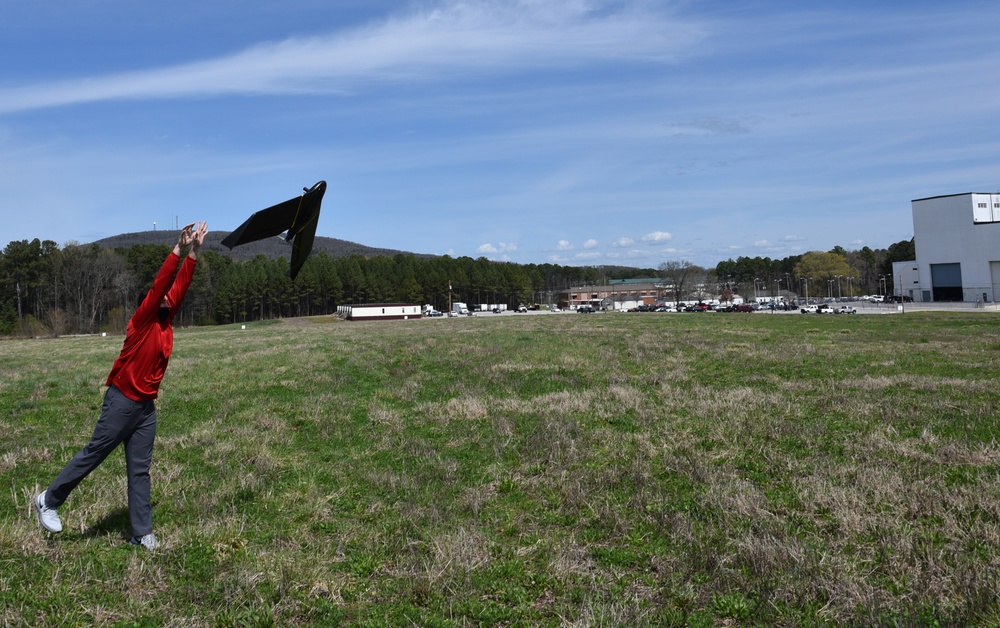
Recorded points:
(114, 523)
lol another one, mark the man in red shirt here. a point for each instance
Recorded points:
(128, 415)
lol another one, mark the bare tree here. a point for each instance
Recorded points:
(677, 275)
(88, 277)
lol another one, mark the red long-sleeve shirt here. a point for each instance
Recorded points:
(139, 368)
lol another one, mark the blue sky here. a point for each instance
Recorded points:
(570, 131)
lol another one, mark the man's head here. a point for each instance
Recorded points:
(164, 312)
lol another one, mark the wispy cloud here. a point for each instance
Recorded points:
(455, 38)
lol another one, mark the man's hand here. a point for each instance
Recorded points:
(198, 237)
(184, 239)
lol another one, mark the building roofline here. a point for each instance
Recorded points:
(636, 280)
(931, 198)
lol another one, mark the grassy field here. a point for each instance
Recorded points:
(600, 470)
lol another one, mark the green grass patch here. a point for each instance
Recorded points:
(523, 470)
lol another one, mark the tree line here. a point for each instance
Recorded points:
(48, 290)
(833, 273)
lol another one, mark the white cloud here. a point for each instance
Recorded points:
(564, 245)
(590, 244)
(457, 37)
(657, 237)
(501, 247)
(622, 242)
(792, 238)
(761, 244)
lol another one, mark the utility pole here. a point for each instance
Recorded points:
(900, 293)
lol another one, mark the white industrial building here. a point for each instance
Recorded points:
(380, 311)
(957, 243)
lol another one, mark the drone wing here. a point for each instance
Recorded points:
(298, 216)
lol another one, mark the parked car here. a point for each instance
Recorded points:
(824, 308)
(846, 309)
(744, 307)
(808, 309)
(585, 309)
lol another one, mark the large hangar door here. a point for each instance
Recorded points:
(946, 281)
(995, 280)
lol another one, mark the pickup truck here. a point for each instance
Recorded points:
(822, 308)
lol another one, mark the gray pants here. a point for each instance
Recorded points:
(132, 423)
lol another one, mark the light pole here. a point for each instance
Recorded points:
(840, 293)
(850, 289)
(806, 280)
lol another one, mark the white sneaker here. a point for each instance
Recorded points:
(149, 541)
(48, 517)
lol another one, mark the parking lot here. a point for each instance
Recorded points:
(860, 307)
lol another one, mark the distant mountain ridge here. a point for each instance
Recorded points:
(271, 248)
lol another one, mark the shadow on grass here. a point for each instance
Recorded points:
(114, 523)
